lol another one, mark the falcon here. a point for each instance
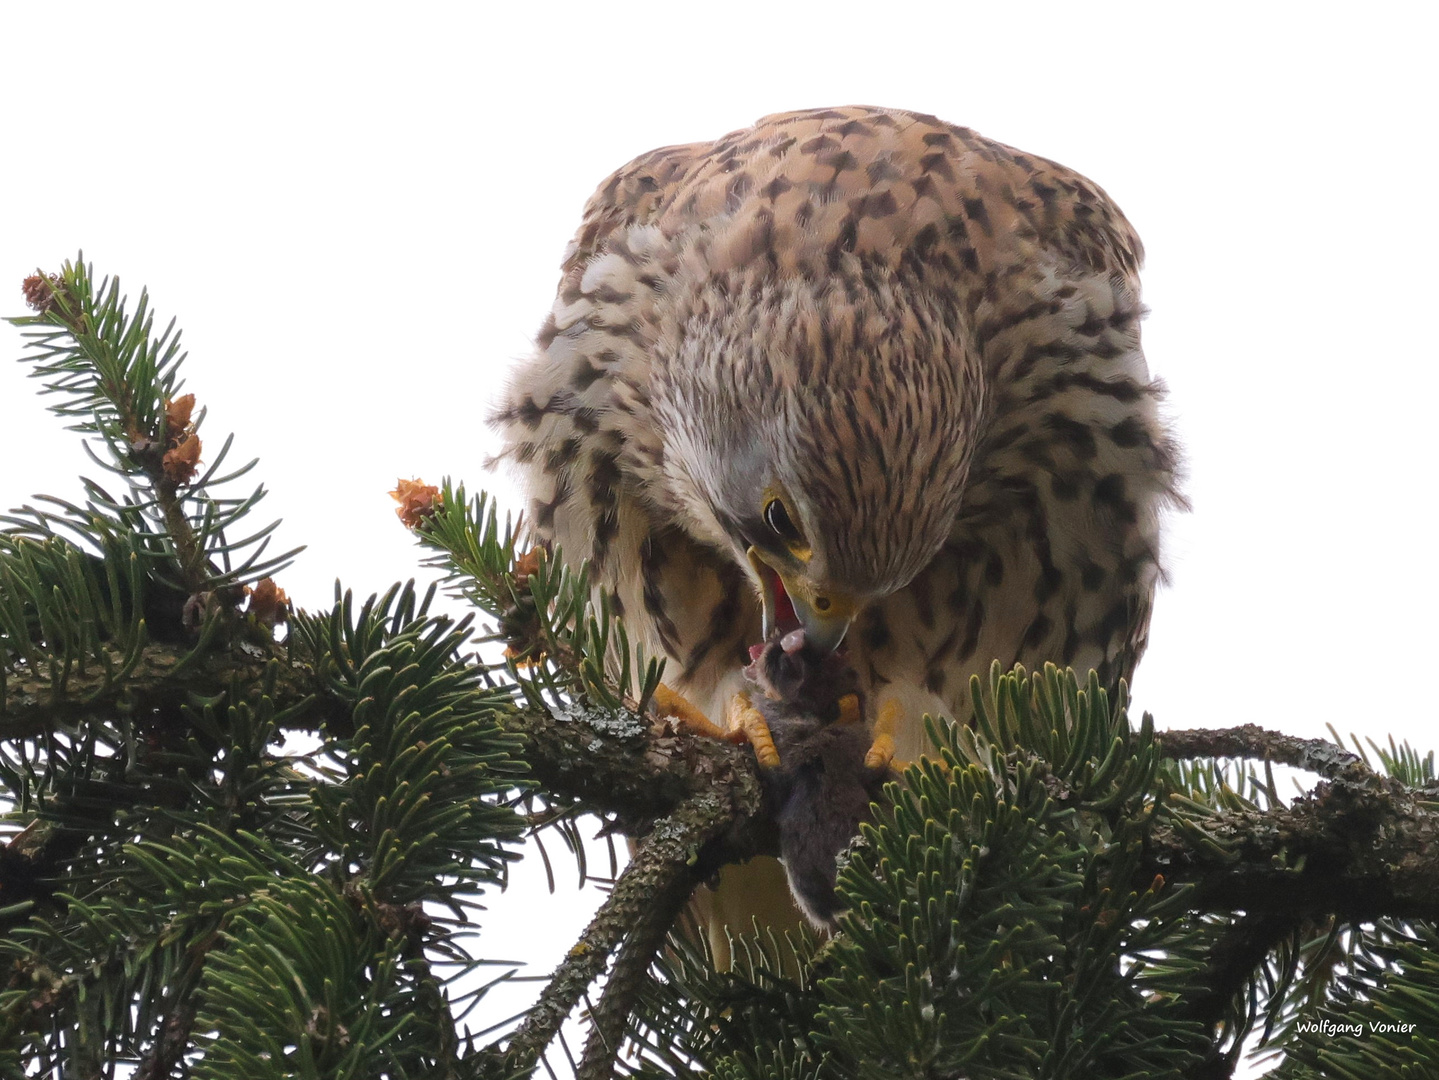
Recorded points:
(860, 372)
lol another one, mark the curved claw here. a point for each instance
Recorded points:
(881, 751)
(686, 714)
(744, 718)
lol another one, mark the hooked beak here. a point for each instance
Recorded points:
(791, 603)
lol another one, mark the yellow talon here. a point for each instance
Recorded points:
(670, 703)
(881, 751)
(849, 709)
(744, 717)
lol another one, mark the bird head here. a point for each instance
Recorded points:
(780, 557)
(822, 436)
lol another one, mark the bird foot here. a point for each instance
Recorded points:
(880, 754)
(744, 720)
(687, 715)
(881, 751)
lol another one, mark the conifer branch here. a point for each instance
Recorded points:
(170, 1048)
(1360, 846)
(120, 382)
(31, 707)
(1045, 893)
(1252, 741)
(610, 1019)
(669, 862)
(706, 797)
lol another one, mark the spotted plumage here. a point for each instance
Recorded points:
(920, 344)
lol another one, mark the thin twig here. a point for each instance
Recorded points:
(1252, 741)
(664, 865)
(1360, 846)
(171, 1044)
(627, 976)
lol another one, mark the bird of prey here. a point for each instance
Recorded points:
(862, 372)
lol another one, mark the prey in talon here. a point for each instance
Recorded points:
(821, 788)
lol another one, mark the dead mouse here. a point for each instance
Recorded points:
(822, 789)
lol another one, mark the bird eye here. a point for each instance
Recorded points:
(778, 519)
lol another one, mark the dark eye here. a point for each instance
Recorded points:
(778, 519)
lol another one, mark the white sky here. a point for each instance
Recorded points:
(357, 216)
